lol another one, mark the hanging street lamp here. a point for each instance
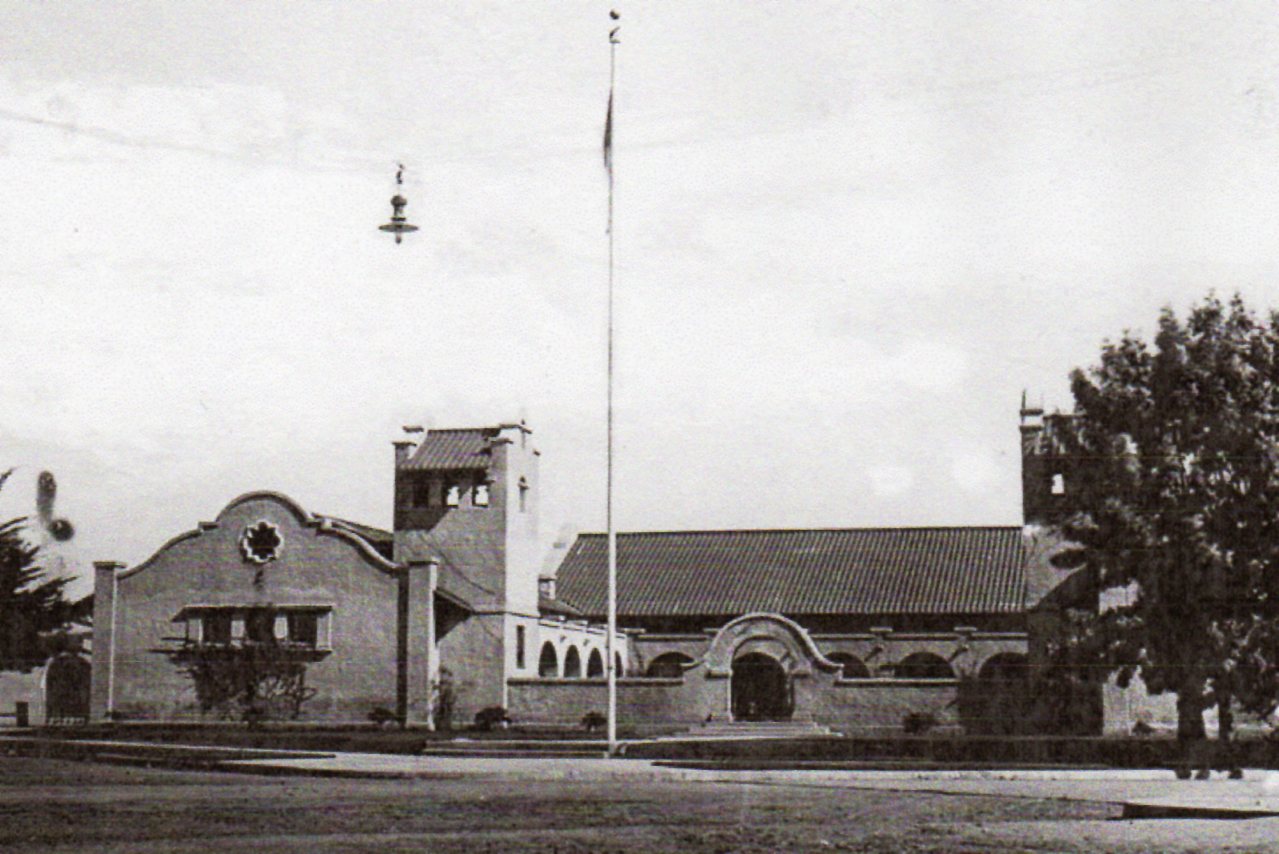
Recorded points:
(399, 224)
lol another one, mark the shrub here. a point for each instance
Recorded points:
(383, 716)
(253, 682)
(493, 716)
(593, 721)
(918, 723)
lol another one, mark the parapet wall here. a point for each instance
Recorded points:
(852, 706)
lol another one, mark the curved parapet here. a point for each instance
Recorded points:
(320, 524)
(771, 634)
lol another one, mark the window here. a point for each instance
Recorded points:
(523, 495)
(217, 627)
(924, 665)
(519, 647)
(669, 665)
(853, 666)
(480, 498)
(595, 665)
(304, 627)
(259, 626)
(421, 493)
(1059, 485)
(452, 494)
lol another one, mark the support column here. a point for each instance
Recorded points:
(416, 664)
(102, 682)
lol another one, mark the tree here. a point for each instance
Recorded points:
(32, 605)
(1171, 474)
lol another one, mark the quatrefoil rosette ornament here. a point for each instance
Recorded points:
(261, 543)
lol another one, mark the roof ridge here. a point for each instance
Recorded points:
(670, 532)
(493, 427)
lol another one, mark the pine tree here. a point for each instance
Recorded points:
(31, 604)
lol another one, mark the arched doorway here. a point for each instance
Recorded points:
(1003, 702)
(66, 689)
(761, 689)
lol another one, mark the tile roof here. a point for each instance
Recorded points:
(809, 572)
(458, 449)
(379, 538)
(547, 605)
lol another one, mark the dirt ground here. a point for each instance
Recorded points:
(53, 805)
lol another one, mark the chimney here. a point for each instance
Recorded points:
(403, 448)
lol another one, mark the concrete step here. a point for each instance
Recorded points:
(514, 754)
(516, 747)
(756, 729)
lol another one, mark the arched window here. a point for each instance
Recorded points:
(854, 668)
(669, 665)
(595, 665)
(618, 667)
(1005, 667)
(548, 665)
(572, 664)
(924, 665)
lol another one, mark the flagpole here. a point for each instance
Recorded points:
(612, 533)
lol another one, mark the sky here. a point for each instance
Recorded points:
(848, 236)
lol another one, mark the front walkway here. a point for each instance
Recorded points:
(1144, 793)
(1152, 790)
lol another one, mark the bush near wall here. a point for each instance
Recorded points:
(1110, 752)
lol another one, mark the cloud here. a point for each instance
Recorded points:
(889, 480)
(976, 472)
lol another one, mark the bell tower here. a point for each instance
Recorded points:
(467, 499)
(1043, 469)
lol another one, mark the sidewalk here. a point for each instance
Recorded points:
(1142, 793)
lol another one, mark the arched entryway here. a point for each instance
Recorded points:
(66, 690)
(1000, 700)
(761, 689)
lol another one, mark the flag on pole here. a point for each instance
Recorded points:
(608, 135)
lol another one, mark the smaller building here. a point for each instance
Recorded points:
(355, 622)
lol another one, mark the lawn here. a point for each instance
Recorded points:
(357, 739)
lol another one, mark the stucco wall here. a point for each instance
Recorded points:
(867, 707)
(22, 687)
(879, 706)
(207, 568)
(640, 702)
(472, 652)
